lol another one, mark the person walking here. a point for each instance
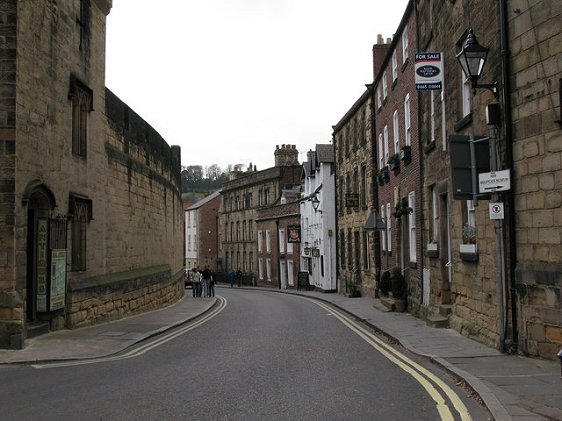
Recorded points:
(206, 282)
(212, 285)
(196, 282)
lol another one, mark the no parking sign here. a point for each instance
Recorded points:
(496, 210)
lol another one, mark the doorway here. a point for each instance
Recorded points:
(39, 205)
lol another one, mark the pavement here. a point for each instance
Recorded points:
(511, 386)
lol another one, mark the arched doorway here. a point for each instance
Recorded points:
(40, 202)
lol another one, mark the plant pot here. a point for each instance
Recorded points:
(394, 165)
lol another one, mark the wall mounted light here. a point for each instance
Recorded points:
(472, 58)
(315, 203)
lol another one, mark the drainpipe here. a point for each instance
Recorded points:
(505, 90)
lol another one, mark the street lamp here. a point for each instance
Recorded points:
(377, 223)
(472, 58)
(316, 203)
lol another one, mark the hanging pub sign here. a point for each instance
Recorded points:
(294, 234)
(429, 71)
(352, 200)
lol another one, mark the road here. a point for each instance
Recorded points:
(263, 356)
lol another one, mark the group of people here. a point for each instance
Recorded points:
(203, 282)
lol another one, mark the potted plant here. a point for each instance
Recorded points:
(385, 283)
(402, 209)
(385, 173)
(468, 249)
(394, 162)
(399, 290)
(406, 154)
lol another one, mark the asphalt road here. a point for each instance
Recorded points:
(265, 356)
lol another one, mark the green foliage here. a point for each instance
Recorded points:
(399, 285)
(385, 283)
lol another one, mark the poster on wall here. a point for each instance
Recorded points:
(429, 71)
(58, 279)
(42, 229)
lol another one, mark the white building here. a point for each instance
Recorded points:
(318, 218)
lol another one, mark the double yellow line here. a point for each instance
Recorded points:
(138, 351)
(424, 377)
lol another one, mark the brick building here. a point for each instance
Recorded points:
(242, 196)
(398, 155)
(202, 233)
(278, 256)
(90, 196)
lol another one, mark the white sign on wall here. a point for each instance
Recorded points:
(429, 71)
(496, 210)
(494, 181)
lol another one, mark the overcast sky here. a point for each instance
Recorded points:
(228, 80)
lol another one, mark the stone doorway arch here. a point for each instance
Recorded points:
(39, 201)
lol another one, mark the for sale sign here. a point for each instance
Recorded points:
(429, 71)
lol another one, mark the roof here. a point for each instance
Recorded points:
(204, 200)
(325, 153)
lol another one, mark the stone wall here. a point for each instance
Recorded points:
(536, 49)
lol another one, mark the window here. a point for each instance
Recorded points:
(268, 241)
(282, 240)
(244, 230)
(394, 66)
(342, 248)
(290, 248)
(386, 146)
(434, 216)
(80, 209)
(405, 46)
(396, 131)
(82, 103)
(260, 268)
(388, 227)
(366, 251)
(379, 97)
(237, 230)
(407, 128)
(268, 269)
(412, 226)
(189, 242)
(466, 95)
(290, 273)
(364, 192)
(383, 232)
(251, 229)
(349, 249)
(260, 241)
(432, 116)
(381, 152)
(384, 86)
(83, 22)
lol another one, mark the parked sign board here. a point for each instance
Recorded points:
(494, 181)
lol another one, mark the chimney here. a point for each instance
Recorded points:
(379, 53)
(286, 155)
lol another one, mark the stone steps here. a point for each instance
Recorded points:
(37, 329)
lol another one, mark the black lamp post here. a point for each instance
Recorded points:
(472, 58)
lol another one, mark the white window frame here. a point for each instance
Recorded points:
(379, 97)
(405, 46)
(381, 152)
(260, 268)
(396, 131)
(466, 95)
(434, 214)
(384, 86)
(432, 115)
(268, 241)
(268, 269)
(281, 240)
(388, 228)
(407, 121)
(290, 273)
(394, 66)
(383, 232)
(386, 145)
(260, 241)
(412, 227)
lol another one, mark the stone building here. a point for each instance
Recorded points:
(318, 219)
(355, 196)
(91, 212)
(535, 85)
(278, 255)
(242, 196)
(202, 233)
(398, 156)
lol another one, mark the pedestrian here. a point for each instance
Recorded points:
(212, 285)
(206, 282)
(196, 282)
(232, 278)
(239, 277)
